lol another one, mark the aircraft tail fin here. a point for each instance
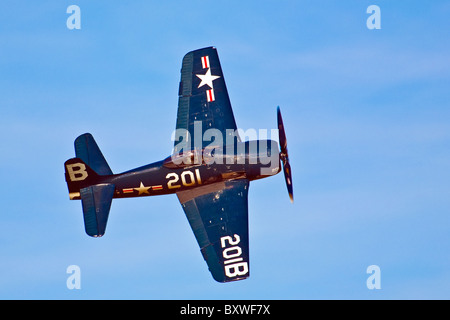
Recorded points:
(87, 168)
(96, 196)
(84, 177)
(79, 175)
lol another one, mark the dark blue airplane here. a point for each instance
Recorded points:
(209, 170)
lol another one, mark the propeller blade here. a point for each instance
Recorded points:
(284, 155)
(288, 178)
(281, 134)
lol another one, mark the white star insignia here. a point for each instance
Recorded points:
(207, 78)
(142, 189)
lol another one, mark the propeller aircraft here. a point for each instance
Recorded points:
(209, 170)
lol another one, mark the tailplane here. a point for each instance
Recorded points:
(85, 177)
(87, 150)
(96, 201)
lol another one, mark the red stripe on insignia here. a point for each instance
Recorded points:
(210, 95)
(205, 62)
(157, 187)
(130, 190)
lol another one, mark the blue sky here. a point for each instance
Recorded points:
(367, 119)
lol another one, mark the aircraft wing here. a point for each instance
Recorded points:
(203, 100)
(218, 215)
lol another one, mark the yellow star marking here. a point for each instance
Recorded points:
(142, 189)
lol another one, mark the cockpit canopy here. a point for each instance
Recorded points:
(208, 155)
(184, 159)
(249, 152)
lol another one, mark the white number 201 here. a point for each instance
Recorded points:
(188, 179)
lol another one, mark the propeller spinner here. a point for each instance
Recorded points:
(284, 155)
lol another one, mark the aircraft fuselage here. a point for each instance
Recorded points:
(173, 175)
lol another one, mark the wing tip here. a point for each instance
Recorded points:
(201, 49)
(226, 280)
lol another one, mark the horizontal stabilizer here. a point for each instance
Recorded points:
(87, 150)
(96, 201)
